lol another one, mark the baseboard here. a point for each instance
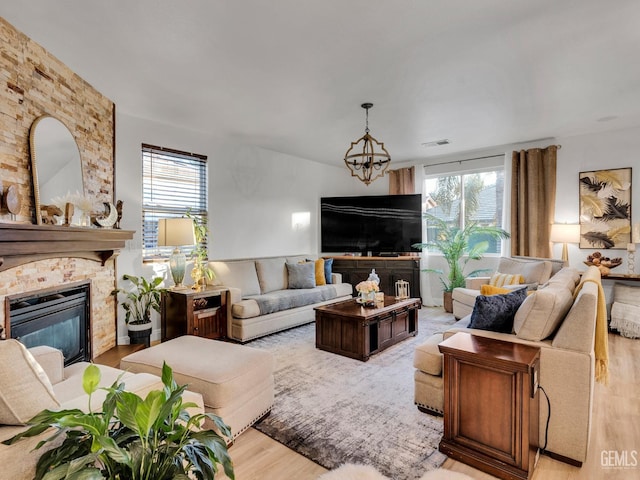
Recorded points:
(562, 458)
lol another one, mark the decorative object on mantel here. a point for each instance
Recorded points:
(13, 199)
(119, 205)
(372, 161)
(48, 212)
(139, 300)
(604, 264)
(109, 218)
(631, 248)
(176, 232)
(605, 208)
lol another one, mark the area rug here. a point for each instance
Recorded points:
(336, 410)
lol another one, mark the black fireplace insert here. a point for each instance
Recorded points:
(59, 318)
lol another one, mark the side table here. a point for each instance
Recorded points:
(491, 404)
(202, 313)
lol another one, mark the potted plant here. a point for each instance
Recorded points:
(201, 271)
(454, 244)
(130, 438)
(139, 301)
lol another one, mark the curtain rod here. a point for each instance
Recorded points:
(476, 158)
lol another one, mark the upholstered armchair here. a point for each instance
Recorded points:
(534, 272)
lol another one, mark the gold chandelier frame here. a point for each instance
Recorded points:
(370, 158)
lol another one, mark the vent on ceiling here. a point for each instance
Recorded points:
(437, 143)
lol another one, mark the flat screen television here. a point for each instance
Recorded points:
(375, 224)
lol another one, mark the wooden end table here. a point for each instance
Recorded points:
(202, 313)
(350, 329)
(491, 404)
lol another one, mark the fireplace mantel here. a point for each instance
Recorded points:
(24, 243)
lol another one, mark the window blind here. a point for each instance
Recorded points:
(173, 183)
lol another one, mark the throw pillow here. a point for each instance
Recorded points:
(499, 279)
(25, 389)
(496, 312)
(328, 270)
(301, 275)
(272, 275)
(319, 268)
(492, 290)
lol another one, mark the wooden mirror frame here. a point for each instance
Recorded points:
(34, 163)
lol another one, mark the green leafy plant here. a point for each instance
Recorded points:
(131, 438)
(141, 299)
(199, 255)
(455, 246)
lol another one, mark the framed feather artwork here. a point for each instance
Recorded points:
(605, 208)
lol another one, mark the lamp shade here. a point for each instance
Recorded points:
(565, 233)
(173, 232)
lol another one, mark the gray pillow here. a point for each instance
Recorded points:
(302, 275)
(496, 312)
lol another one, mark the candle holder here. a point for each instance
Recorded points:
(402, 289)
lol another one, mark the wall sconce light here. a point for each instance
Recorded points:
(565, 233)
(300, 220)
(175, 232)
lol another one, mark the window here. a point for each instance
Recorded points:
(173, 183)
(466, 197)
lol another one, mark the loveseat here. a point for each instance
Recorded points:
(534, 272)
(34, 379)
(267, 295)
(564, 328)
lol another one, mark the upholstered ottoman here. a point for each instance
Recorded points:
(428, 381)
(235, 381)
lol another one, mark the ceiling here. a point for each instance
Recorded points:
(290, 75)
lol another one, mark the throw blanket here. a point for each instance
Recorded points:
(601, 344)
(285, 299)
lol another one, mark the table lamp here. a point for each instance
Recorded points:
(176, 232)
(565, 233)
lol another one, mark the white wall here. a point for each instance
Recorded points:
(252, 195)
(608, 150)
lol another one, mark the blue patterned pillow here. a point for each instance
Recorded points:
(328, 268)
(302, 275)
(496, 312)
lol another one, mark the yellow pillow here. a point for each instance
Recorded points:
(493, 290)
(499, 279)
(320, 278)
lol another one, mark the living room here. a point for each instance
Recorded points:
(254, 188)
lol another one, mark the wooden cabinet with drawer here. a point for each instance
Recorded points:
(189, 312)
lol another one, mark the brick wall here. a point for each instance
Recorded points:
(34, 83)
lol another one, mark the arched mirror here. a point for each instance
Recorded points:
(55, 162)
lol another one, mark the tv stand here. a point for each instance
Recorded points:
(390, 269)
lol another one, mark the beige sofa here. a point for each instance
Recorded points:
(263, 298)
(563, 328)
(535, 271)
(55, 386)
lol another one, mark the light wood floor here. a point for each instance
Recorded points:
(616, 427)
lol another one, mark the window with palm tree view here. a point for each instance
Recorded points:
(461, 200)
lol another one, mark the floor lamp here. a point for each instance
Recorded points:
(565, 233)
(176, 232)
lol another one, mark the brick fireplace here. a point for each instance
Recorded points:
(35, 83)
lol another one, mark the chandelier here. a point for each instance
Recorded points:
(367, 158)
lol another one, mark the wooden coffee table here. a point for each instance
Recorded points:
(347, 328)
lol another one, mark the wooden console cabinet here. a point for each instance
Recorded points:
(491, 404)
(189, 312)
(389, 269)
